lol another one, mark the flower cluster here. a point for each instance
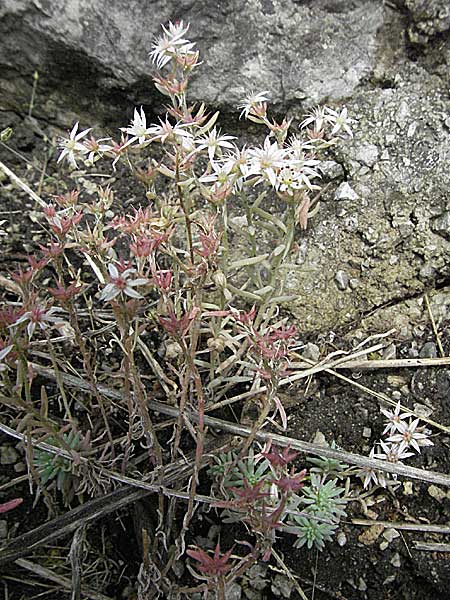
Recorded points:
(402, 434)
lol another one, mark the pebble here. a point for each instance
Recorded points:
(281, 586)
(390, 352)
(367, 432)
(311, 352)
(8, 455)
(395, 560)
(341, 539)
(441, 224)
(341, 279)
(368, 155)
(362, 585)
(390, 534)
(436, 493)
(428, 350)
(345, 192)
(331, 169)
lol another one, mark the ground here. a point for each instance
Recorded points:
(369, 562)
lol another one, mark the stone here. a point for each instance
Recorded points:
(367, 154)
(341, 279)
(87, 56)
(282, 586)
(330, 170)
(428, 350)
(311, 351)
(441, 225)
(429, 17)
(8, 455)
(345, 192)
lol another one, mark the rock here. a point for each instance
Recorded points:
(88, 55)
(435, 492)
(367, 432)
(429, 18)
(282, 586)
(8, 455)
(341, 279)
(428, 350)
(441, 225)
(311, 351)
(331, 170)
(370, 535)
(395, 560)
(345, 192)
(390, 534)
(367, 154)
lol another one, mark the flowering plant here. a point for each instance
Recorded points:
(181, 268)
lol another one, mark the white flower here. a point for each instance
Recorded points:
(72, 146)
(213, 141)
(339, 121)
(290, 179)
(409, 434)
(119, 283)
(266, 161)
(165, 130)
(392, 453)
(96, 149)
(170, 44)
(369, 475)
(252, 101)
(394, 419)
(315, 117)
(38, 316)
(138, 128)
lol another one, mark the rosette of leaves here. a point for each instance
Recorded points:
(321, 515)
(57, 468)
(247, 469)
(329, 467)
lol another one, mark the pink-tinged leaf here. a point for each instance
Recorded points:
(6, 506)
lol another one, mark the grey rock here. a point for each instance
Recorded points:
(345, 192)
(441, 224)
(8, 455)
(330, 170)
(341, 279)
(367, 154)
(87, 52)
(311, 352)
(282, 586)
(428, 350)
(429, 17)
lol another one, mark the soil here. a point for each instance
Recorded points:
(364, 567)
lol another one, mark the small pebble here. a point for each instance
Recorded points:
(367, 432)
(8, 455)
(345, 192)
(341, 279)
(390, 534)
(362, 586)
(428, 350)
(390, 352)
(395, 560)
(311, 352)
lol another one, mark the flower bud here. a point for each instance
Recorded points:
(219, 279)
(216, 344)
